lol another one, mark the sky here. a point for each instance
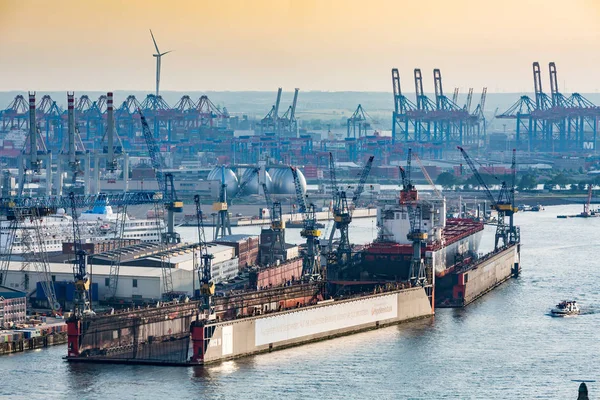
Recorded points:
(323, 45)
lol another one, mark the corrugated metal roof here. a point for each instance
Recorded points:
(236, 237)
(97, 270)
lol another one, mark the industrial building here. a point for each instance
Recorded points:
(135, 283)
(13, 306)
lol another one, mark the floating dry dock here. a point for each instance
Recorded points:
(468, 282)
(162, 335)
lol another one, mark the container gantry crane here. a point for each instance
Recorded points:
(504, 205)
(277, 245)
(311, 255)
(357, 123)
(223, 226)
(270, 123)
(207, 286)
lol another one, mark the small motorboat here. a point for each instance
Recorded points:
(566, 308)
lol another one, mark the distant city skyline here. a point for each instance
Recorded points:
(320, 45)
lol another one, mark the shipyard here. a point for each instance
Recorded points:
(298, 199)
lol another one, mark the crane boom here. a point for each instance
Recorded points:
(332, 176)
(482, 183)
(426, 174)
(455, 96)
(155, 156)
(469, 100)
(363, 179)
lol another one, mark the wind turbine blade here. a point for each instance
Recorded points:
(155, 45)
(166, 52)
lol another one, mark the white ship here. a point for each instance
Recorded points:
(99, 223)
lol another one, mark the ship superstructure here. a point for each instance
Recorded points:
(449, 240)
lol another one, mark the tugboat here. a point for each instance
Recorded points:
(566, 308)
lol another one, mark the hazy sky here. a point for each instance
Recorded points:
(311, 44)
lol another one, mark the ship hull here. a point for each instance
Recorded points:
(392, 260)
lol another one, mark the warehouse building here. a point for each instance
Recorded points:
(13, 306)
(135, 283)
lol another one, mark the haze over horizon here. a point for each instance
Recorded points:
(335, 45)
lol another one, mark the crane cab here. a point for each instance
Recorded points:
(278, 225)
(176, 206)
(310, 233)
(208, 289)
(407, 196)
(219, 206)
(418, 236)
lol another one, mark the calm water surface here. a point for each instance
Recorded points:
(504, 346)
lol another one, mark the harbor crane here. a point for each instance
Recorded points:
(417, 234)
(81, 302)
(34, 249)
(165, 183)
(504, 204)
(207, 286)
(288, 122)
(342, 257)
(357, 123)
(277, 245)
(170, 201)
(270, 123)
(223, 227)
(311, 257)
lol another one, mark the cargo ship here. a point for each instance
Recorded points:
(450, 240)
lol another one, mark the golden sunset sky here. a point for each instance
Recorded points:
(330, 45)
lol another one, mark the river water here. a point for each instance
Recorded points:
(504, 346)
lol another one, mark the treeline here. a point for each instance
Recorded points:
(524, 182)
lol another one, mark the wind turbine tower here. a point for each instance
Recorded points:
(158, 56)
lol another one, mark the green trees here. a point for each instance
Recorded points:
(447, 180)
(527, 182)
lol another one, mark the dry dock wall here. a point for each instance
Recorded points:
(232, 339)
(477, 281)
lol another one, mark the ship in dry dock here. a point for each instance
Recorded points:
(292, 302)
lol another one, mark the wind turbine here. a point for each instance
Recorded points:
(158, 56)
